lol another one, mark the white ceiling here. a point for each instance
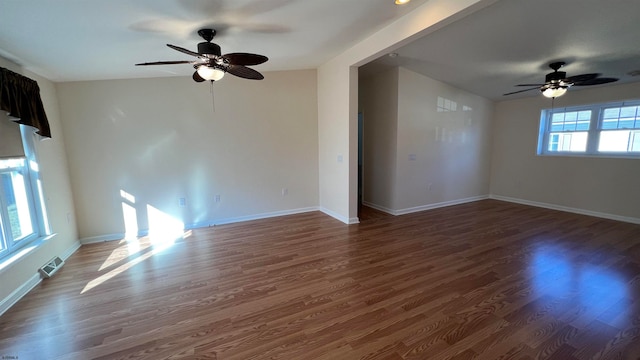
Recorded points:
(486, 53)
(66, 40)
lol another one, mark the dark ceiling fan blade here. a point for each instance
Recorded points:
(530, 84)
(166, 62)
(244, 72)
(245, 59)
(196, 77)
(209, 57)
(183, 50)
(582, 77)
(515, 92)
(596, 81)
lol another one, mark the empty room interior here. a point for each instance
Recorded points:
(296, 179)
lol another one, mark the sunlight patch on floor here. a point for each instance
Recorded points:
(164, 230)
(120, 269)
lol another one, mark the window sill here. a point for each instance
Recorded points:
(14, 258)
(594, 156)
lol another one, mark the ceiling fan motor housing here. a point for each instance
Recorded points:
(209, 48)
(555, 77)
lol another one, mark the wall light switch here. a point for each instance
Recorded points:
(412, 157)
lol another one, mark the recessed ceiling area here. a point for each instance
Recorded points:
(512, 42)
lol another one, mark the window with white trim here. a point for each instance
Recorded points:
(22, 213)
(607, 129)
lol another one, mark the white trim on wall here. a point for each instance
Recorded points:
(204, 224)
(250, 217)
(19, 293)
(344, 219)
(425, 207)
(379, 207)
(567, 209)
(102, 238)
(627, 219)
(70, 251)
(24, 289)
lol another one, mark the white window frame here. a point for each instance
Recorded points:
(593, 133)
(37, 210)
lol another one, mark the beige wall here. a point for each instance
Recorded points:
(160, 140)
(452, 148)
(417, 156)
(334, 135)
(57, 192)
(600, 185)
(379, 106)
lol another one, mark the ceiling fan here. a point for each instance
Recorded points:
(557, 82)
(211, 65)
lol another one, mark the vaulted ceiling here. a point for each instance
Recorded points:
(513, 41)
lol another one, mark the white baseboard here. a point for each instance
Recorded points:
(203, 224)
(335, 215)
(70, 251)
(379, 207)
(102, 238)
(33, 281)
(19, 293)
(238, 219)
(567, 209)
(425, 207)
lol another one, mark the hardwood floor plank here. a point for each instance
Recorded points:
(483, 280)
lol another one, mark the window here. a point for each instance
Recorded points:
(610, 129)
(22, 214)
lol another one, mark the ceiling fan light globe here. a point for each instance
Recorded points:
(552, 92)
(210, 73)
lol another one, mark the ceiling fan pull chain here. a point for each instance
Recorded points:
(213, 100)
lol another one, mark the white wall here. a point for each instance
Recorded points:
(336, 158)
(452, 148)
(600, 185)
(417, 156)
(160, 140)
(57, 192)
(337, 98)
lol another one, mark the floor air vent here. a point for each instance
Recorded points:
(51, 267)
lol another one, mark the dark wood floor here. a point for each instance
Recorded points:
(485, 280)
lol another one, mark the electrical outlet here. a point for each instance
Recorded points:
(429, 186)
(216, 198)
(182, 202)
(285, 191)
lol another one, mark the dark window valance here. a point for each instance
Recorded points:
(20, 98)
